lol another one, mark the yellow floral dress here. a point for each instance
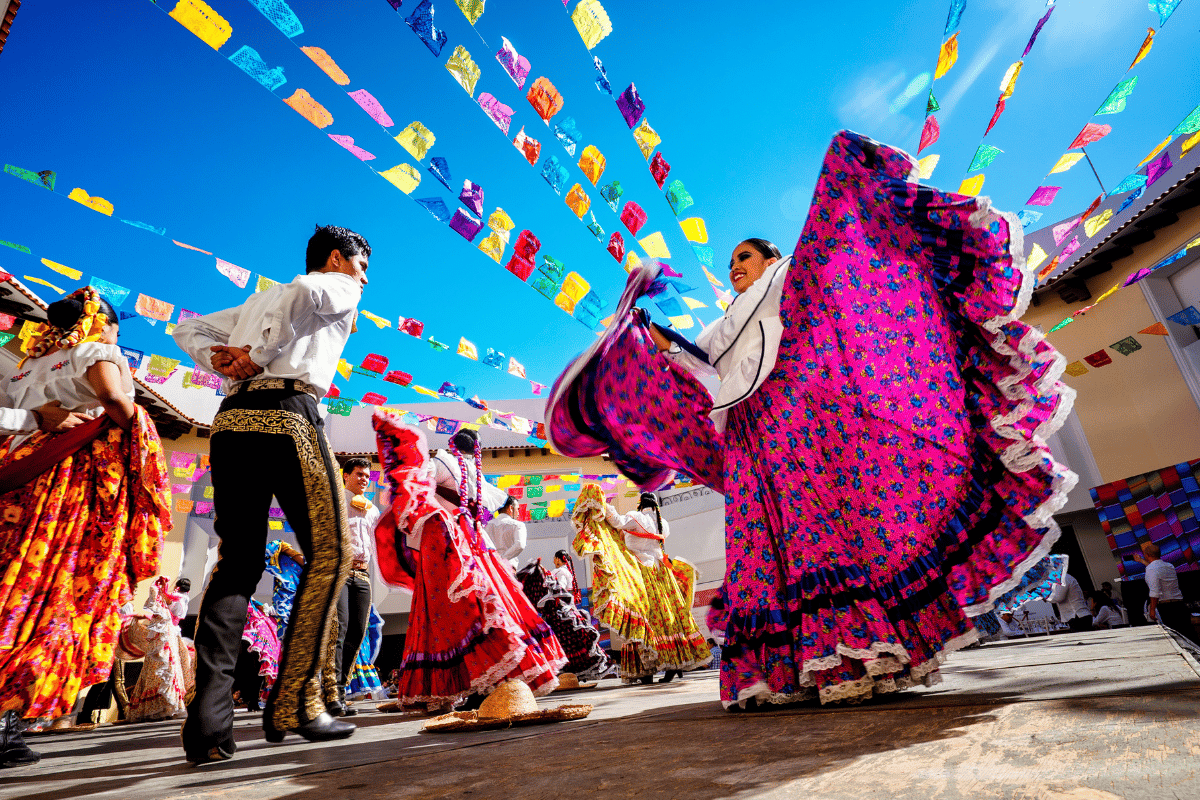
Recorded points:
(649, 606)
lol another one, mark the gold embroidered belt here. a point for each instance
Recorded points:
(289, 384)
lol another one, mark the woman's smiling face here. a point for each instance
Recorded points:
(747, 265)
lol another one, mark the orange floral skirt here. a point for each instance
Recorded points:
(74, 542)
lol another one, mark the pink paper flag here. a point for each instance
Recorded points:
(1092, 132)
(499, 113)
(189, 247)
(154, 308)
(348, 143)
(371, 106)
(1158, 167)
(1043, 196)
(239, 275)
(1062, 230)
(182, 459)
(181, 488)
(537, 387)
(1070, 249)
(930, 133)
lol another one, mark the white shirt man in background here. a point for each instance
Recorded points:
(354, 602)
(1166, 601)
(508, 534)
(1072, 604)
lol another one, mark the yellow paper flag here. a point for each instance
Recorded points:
(1009, 83)
(647, 138)
(711, 278)
(947, 57)
(694, 303)
(1144, 50)
(1109, 293)
(592, 22)
(681, 323)
(472, 9)
(264, 283)
(574, 286)
(94, 203)
(47, 284)
(499, 221)
(971, 186)
(556, 508)
(380, 322)
(344, 368)
(403, 176)
(464, 69)
(1188, 144)
(507, 481)
(424, 391)
(63, 269)
(926, 166)
(1155, 151)
(1075, 369)
(275, 524)
(199, 18)
(1092, 225)
(1066, 162)
(416, 139)
(695, 230)
(655, 246)
(467, 349)
(493, 245)
(1036, 257)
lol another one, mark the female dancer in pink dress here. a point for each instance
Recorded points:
(879, 433)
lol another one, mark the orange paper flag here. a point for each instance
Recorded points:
(1157, 329)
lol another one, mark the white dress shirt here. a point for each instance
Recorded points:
(362, 529)
(295, 330)
(647, 549)
(1106, 617)
(62, 376)
(743, 344)
(1162, 581)
(508, 536)
(1068, 596)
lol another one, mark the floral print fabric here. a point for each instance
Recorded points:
(579, 638)
(650, 607)
(891, 476)
(74, 543)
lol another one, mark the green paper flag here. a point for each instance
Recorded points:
(932, 105)
(1126, 346)
(984, 156)
(1062, 324)
(1116, 101)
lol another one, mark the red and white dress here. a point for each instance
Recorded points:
(470, 627)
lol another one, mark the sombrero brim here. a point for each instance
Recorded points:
(578, 688)
(458, 721)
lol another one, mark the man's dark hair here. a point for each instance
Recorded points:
(329, 238)
(354, 463)
(510, 501)
(184, 584)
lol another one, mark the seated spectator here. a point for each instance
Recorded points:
(1105, 613)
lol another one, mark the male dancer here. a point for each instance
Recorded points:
(278, 352)
(354, 601)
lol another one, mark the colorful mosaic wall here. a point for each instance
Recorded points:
(1159, 507)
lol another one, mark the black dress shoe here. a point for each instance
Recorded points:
(13, 750)
(647, 679)
(339, 709)
(322, 729)
(216, 753)
(671, 675)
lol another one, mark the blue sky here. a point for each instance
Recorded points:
(122, 101)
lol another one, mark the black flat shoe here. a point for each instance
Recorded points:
(646, 680)
(322, 729)
(671, 675)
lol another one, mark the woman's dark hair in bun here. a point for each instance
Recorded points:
(465, 440)
(65, 313)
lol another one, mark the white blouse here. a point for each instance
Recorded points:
(1106, 617)
(741, 347)
(561, 577)
(62, 376)
(647, 550)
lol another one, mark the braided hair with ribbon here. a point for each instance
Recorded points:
(79, 317)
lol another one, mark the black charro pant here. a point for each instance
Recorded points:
(354, 611)
(268, 443)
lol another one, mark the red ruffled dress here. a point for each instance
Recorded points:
(470, 627)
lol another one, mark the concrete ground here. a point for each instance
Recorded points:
(1098, 716)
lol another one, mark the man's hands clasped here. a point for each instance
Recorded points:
(234, 362)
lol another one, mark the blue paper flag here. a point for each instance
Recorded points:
(281, 16)
(440, 169)
(602, 80)
(133, 356)
(670, 306)
(1189, 316)
(421, 22)
(110, 291)
(1028, 217)
(1130, 183)
(144, 226)
(955, 16)
(437, 207)
(704, 254)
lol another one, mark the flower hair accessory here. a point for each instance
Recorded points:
(88, 328)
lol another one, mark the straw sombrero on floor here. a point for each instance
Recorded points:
(510, 705)
(569, 681)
